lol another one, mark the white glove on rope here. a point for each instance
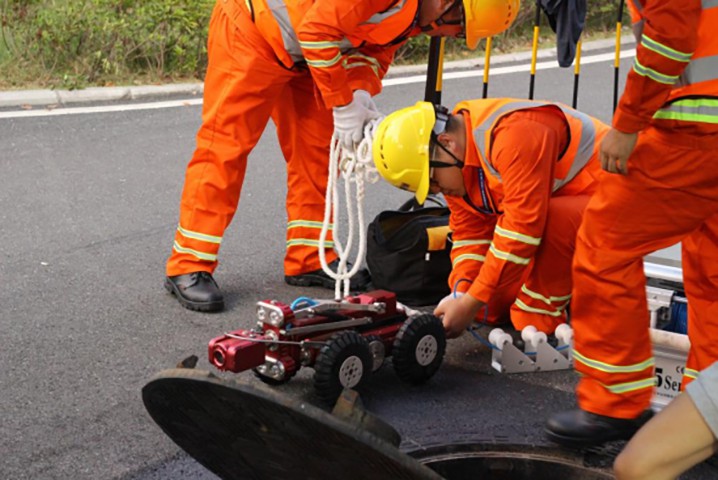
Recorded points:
(350, 119)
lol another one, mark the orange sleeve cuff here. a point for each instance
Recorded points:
(629, 123)
(364, 84)
(338, 99)
(481, 292)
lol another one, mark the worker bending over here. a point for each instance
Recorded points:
(517, 176)
(312, 67)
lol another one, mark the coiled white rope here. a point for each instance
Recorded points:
(355, 166)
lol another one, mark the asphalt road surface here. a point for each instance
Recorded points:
(89, 209)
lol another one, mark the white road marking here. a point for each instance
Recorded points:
(387, 83)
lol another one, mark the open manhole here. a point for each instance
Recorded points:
(504, 462)
(239, 432)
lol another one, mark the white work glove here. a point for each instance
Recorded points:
(350, 119)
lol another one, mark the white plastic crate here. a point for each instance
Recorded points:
(669, 349)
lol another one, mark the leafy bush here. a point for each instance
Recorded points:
(75, 43)
(71, 43)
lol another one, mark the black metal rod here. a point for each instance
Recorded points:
(616, 64)
(487, 66)
(534, 49)
(574, 104)
(576, 72)
(432, 93)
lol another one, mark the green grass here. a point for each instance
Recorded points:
(73, 44)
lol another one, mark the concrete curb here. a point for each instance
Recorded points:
(26, 98)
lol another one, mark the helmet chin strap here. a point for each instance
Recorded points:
(433, 163)
(442, 119)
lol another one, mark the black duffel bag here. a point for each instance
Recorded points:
(408, 252)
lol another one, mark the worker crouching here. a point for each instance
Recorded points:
(517, 176)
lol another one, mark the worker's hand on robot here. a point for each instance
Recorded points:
(349, 120)
(457, 314)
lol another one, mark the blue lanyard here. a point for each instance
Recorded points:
(487, 209)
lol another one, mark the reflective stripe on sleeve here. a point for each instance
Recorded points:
(653, 75)
(325, 63)
(509, 257)
(469, 243)
(517, 236)
(468, 256)
(319, 45)
(665, 51)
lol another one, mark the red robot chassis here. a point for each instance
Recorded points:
(344, 341)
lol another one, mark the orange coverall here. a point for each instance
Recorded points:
(530, 169)
(292, 63)
(670, 194)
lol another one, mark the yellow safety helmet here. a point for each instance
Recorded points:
(401, 148)
(485, 18)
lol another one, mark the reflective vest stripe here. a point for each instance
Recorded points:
(468, 256)
(584, 151)
(586, 146)
(520, 237)
(546, 300)
(306, 224)
(665, 51)
(210, 257)
(469, 243)
(380, 17)
(555, 313)
(690, 373)
(653, 75)
(700, 77)
(294, 47)
(631, 386)
(693, 110)
(286, 29)
(509, 257)
(481, 131)
(307, 242)
(699, 70)
(608, 368)
(198, 236)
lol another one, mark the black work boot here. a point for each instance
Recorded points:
(196, 291)
(579, 428)
(318, 278)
